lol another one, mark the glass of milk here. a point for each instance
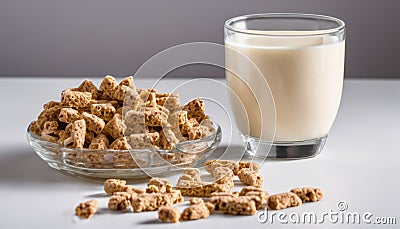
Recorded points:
(301, 59)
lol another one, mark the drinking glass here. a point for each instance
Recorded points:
(301, 58)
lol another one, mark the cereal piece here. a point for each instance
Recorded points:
(132, 99)
(68, 115)
(86, 209)
(307, 194)
(169, 101)
(194, 130)
(108, 86)
(153, 201)
(143, 141)
(168, 139)
(261, 198)
(112, 186)
(253, 166)
(212, 164)
(151, 100)
(119, 201)
(152, 188)
(101, 138)
(168, 214)
(75, 99)
(175, 195)
(183, 178)
(154, 116)
(133, 191)
(104, 111)
(99, 142)
(50, 127)
(195, 109)
(221, 203)
(241, 206)
(145, 92)
(78, 132)
(35, 128)
(51, 104)
(120, 92)
(120, 144)
(62, 136)
(283, 200)
(88, 137)
(194, 212)
(250, 177)
(88, 86)
(196, 200)
(258, 201)
(160, 183)
(178, 118)
(206, 127)
(50, 114)
(128, 81)
(195, 133)
(202, 189)
(49, 138)
(254, 191)
(115, 127)
(222, 174)
(234, 205)
(192, 172)
(93, 122)
(189, 125)
(135, 122)
(50, 131)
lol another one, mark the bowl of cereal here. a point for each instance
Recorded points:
(118, 130)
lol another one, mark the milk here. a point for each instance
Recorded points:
(305, 75)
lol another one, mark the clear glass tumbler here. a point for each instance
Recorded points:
(301, 57)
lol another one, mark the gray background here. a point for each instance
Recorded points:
(88, 38)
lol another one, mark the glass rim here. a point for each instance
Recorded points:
(229, 24)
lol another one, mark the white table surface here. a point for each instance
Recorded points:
(360, 163)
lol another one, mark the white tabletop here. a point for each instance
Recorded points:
(359, 164)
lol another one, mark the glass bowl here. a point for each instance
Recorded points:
(136, 163)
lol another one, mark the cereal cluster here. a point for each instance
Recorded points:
(120, 116)
(207, 197)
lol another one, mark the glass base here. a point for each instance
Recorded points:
(255, 147)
